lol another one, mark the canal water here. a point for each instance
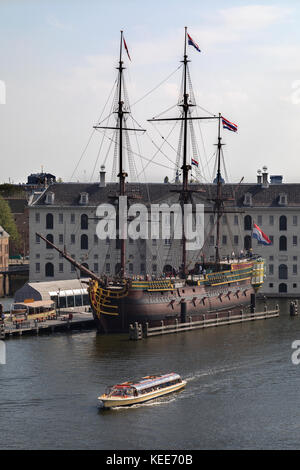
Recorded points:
(242, 390)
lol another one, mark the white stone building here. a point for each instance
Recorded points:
(66, 214)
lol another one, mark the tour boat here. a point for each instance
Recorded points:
(148, 388)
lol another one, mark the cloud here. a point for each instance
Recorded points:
(253, 17)
(55, 23)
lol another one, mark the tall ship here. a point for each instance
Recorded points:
(212, 287)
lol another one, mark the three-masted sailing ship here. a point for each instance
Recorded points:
(221, 285)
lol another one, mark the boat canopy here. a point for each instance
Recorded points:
(153, 382)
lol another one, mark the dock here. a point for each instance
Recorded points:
(61, 323)
(138, 331)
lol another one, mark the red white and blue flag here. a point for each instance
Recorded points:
(194, 162)
(229, 125)
(191, 42)
(260, 235)
(126, 48)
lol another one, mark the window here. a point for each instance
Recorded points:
(96, 267)
(49, 221)
(143, 267)
(84, 242)
(295, 220)
(282, 287)
(259, 219)
(37, 255)
(96, 256)
(271, 239)
(282, 199)
(130, 268)
(84, 198)
(271, 284)
(37, 267)
(107, 256)
(235, 239)
(154, 242)
(236, 220)
(271, 269)
(60, 239)
(271, 220)
(49, 270)
(282, 222)
(294, 286)
(50, 198)
(271, 258)
(295, 240)
(211, 219)
(224, 219)
(282, 243)
(72, 218)
(295, 269)
(60, 218)
(107, 241)
(96, 239)
(84, 222)
(248, 199)
(37, 217)
(167, 241)
(248, 222)
(72, 239)
(224, 240)
(154, 268)
(211, 240)
(37, 239)
(107, 268)
(61, 267)
(283, 271)
(247, 242)
(295, 258)
(154, 257)
(50, 238)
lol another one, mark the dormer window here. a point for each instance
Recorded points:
(84, 198)
(50, 198)
(282, 201)
(247, 199)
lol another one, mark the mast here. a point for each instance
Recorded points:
(185, 168)
(219, 200)
(122, 175)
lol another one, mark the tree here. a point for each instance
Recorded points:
(7, 221)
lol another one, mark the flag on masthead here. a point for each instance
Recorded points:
(191, 42)
(126, 48)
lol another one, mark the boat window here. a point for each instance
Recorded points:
(70, 300)
(62, 302)
(85, 299)
(78, 300)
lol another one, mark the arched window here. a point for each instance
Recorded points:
(283, 271)
(49, 221)
(117, 268)
(247, 222)
(84, 242)
(247, 242)
(282, 222)
(282, 243)
(49, 270)
(50, 238)
(84, 222)
(168, 269)
(282, 287)
(82, 273)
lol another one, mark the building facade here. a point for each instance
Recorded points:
(4, 261)
(66, 214)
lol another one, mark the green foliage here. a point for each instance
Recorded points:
(7, 221)
(7, 190)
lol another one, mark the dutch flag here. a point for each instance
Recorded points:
(191, 42)
(194, 162)
(260, 235)
(229, 125)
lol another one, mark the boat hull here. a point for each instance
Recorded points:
(114, 402)
(178, 304)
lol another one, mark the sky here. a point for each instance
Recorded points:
(58, 63)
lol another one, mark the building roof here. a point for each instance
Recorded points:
(68, 194)
(3, 233)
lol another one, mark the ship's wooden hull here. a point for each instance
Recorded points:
(166, 305)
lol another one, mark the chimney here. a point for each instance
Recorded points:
(265, 183)
(102, 177)
(259, 177)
